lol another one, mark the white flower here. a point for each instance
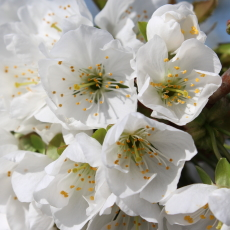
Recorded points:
(120, 18)
(46, 21)
(176, 89)
(193, 207)
(8, 10)
(175, 24)
(73, 186)
(88, 78)
(117, 219)
(219, 203)
(145, 157)
(16, 168)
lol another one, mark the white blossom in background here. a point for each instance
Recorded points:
(89, 84)
(178, 89)
(192, 207)
(74, 185)
(175, 24)
(45, 21)
(117, 219)
(8, 10)
(16, 193)
(121, 17)
(147, 155)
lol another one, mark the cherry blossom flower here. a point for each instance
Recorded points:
(177, 89)
(197, 206)
(121, 19)
(175, 24)
(147, 155)
(74, 185)
(94, 88)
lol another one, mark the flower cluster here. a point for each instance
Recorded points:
(77, 152)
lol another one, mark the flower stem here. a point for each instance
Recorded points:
(227, 146)
(213, 140)
(224, 131)
(224, 150)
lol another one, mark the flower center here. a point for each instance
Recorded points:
(83, 179)
(95, 83)
(203, 213)
(135, 146)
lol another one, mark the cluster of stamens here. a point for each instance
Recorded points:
(173, 89)
(135, 146)
(202, 213)
(122, 219)
(95, 82)
(85, 177)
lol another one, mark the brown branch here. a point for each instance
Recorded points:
(223, 90)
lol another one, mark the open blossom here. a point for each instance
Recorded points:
(176, 89)
(118, 219)
(147, 155)
(86, 83)
(175, 24)
(45, 21)
(73, 186)
(121, 17)
(16, 193)
(197, 206)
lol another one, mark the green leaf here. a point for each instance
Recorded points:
(38, 143)
(25, 144)
(223, 48)
(51, 152)
(222, 173)
(100, 3)
(204, 176)
(57, 140)
(204, 9)
(99, 135)
(55, 143)
(61, 149)
(142, 27)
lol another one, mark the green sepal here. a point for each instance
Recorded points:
(142, 27)
(99, 135)
(25, 144)
(222, 173)
(61, 149)
(38, 143)
(204, 176)
(100, 3)
(55, 143)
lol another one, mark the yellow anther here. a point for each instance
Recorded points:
(166, 60)
(182, 31)
(71, 186)
(186, 79)
(202, 216)
(128, 95)
(78, 103)
(9, 173)
(209, 227)
(195, 104)
(192, 85)
(176, 67)
(60, 105)
(169, 103)
(176, 75)
(196, 91)
(170, 75)
(202, 75)
(107, 57)
(194, 30)
(110, 74)
(185, 71)
(65, 194)
(60, 62)
(197, 79)
(91, 198)
(90, 67)
(117, 87)
(78, 189)
(211, 217)
(91, 189)
(100, 74)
